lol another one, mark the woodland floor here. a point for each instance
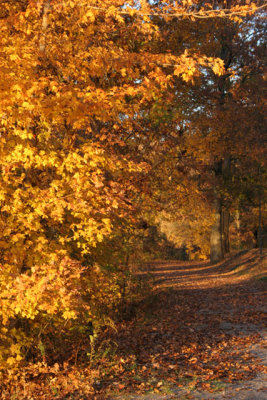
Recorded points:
(201, 334)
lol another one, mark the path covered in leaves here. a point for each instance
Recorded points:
(201, 335)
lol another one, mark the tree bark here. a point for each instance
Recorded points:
(216, 250)
(225, 214)
(225, 222)
(220, 238)
(237, 223)
(259, 228)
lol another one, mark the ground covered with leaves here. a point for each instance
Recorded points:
(201, 336)
(198, 333)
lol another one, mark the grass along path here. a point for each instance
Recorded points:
(201, 334)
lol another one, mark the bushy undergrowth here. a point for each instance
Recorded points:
(56, 322)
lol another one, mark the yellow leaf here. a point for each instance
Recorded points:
(14, 57)
(11, 361)
(27, 105)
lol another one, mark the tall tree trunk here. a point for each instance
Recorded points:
(237, 223)
(216, 250)
(225, 223)
(259, 228)
(225, 214)
(219, 239)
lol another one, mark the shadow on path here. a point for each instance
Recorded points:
(195, 335)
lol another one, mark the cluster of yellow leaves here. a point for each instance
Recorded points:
(30, 294)
(60, 293)
(12, 342)
(193, 64)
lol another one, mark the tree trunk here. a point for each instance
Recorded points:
(225, 222)
(259, 228)
(237, 223)
(219, 240)
(225, 215)
(216, 250)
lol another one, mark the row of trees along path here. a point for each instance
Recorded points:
(117, 117)
(202, 338)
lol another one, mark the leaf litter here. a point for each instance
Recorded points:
(200, 334)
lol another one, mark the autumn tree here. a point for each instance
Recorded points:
(73, 77)
(210, 123)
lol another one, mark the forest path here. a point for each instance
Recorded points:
(202, 336)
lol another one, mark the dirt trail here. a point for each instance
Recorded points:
(202, 336)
